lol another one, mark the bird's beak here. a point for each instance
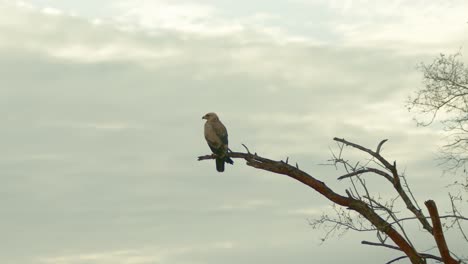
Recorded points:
(203, 117)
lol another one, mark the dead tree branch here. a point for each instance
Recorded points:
(394, 179)
(424, 255)
(439, 234)
(351, 203)
(358, 209)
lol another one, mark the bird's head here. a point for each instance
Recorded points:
(210, 116)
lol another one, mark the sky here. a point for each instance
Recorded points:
(101, 103)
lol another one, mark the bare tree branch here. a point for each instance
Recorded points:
(445, 91)
(366, 170)
(439, 234)
(360, 209)
(424, 255)
(395, 180)
(351, 203)
(458, 217)
(396, 259)
(376, 155)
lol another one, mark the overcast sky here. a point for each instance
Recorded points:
(101, 105)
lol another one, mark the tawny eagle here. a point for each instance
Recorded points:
(217, 138)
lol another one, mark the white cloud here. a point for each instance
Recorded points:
(42, 157)
(82, 52)
(246, 205)
(51, 11)
(184, 17)
(201, 19)
(109, 126)
(417, 26)
(397, 23)
(145, 255)
(117, 257)
(406, 26)
(22, 4)
(74, 39)
(307, 211)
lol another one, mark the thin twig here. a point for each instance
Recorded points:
(380, 146)
(246, 148)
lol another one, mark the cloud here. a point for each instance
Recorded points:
(146, 255)
(132, 75)
(417, 26)
(74, 39)
(210, 19)
(123, 257)
(307, 212)
(104, 127)
(249, 205)
(306, 84)
(399, 23)
(51, 11)
(162, 15)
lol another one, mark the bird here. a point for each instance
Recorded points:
(217, 138)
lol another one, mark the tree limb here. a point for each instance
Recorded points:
(438, 233)
(356, 205)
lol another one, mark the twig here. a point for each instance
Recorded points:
(380, 146)
(455, 211)
(424, 255)
(364, 242)
(395, 180)
(396, 259)
(365, 170)
(246, 148)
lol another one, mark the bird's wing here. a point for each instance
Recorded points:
(214, 146)
(220, 130)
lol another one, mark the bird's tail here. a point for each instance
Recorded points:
(220, 165)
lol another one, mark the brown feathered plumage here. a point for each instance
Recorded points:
(217, 138)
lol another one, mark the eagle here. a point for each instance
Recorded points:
(217, 138)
